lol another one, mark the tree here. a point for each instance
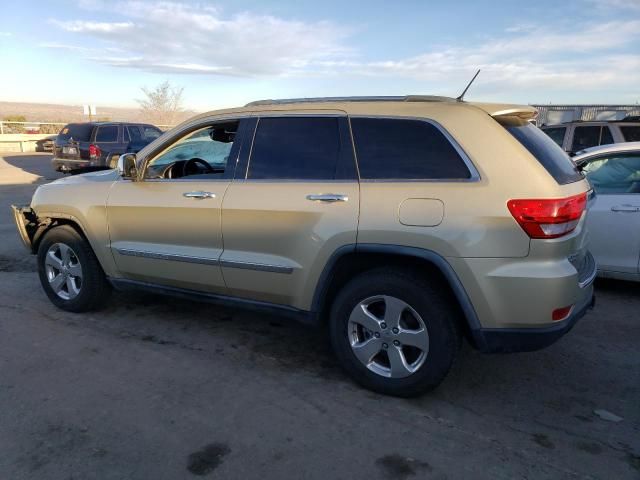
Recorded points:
(161, 104)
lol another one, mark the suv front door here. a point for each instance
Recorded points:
(165, 228)
(291, 205)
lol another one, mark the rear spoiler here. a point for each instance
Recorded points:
(524, 112)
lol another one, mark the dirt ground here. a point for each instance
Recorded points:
(158, 388)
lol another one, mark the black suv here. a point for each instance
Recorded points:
(97, 145)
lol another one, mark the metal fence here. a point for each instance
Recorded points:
(555, 114)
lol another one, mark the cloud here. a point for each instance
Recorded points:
(172, 37)
(616, 4)
(81, 26)
(176, 37)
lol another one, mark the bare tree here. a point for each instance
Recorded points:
(162, 104)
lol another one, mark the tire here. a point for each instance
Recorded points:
(63, 251)
(422, 365)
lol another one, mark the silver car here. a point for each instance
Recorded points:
(614, 218)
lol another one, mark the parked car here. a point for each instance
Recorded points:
(97, 145)
(576, 136)
(404, 224)
(614, 217)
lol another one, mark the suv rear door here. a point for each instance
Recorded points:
(293, 202)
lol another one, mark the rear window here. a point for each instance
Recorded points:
(631, 133)
(392, 149)
(76, 131)
(545, 150)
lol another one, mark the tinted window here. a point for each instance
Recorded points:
(545, 150)
(133, 133)
(78, 131)
(587, 136)
(606, 138)
(556, 134)
(631, 133)
(405, 149)
(296, 148)
(107, 133)
(615, 174)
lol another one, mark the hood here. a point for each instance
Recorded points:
(99, 176)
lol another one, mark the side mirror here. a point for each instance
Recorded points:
(127, 165)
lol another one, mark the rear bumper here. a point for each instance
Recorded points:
(506, 340)
(68, 165)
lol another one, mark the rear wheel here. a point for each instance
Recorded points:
(394, 332)
(69, 271)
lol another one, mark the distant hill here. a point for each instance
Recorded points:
(46, 112)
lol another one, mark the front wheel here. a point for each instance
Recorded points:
(69, 271)
(394, 332)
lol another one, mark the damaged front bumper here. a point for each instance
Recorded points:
(26, 223)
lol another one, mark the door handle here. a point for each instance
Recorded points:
(328, 197)
(199, 195)
(625, 208)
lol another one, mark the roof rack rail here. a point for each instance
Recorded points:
(405, 98)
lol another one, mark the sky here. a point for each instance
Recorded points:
(229, 53)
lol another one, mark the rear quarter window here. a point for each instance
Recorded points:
(80, 132)
(399, 149)
(544, 149)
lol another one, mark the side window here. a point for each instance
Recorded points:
(107, 133)
(631, 133)
(204, 151)
(151, 133)
(405, 149)
(556, 134)
(590, 136)
(614, 174)
(302, 148)
(134, 133)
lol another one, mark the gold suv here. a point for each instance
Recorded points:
(403, 223)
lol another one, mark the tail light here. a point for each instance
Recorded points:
(94, 152)
(548, 218)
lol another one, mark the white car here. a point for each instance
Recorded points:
(614, 217)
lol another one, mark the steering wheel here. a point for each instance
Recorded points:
(195, 161)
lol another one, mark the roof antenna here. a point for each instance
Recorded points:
(461, 97)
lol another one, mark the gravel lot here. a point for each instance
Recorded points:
(156, 388)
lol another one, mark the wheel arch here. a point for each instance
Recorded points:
(351, 260)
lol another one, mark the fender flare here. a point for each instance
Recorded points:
(432, 257)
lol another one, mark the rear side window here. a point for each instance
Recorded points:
(590, 136)
(392, 149)
(556, 134)
(631, 133)
(303, 148)
(77, 131)
(545, 150)
(108, 133)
